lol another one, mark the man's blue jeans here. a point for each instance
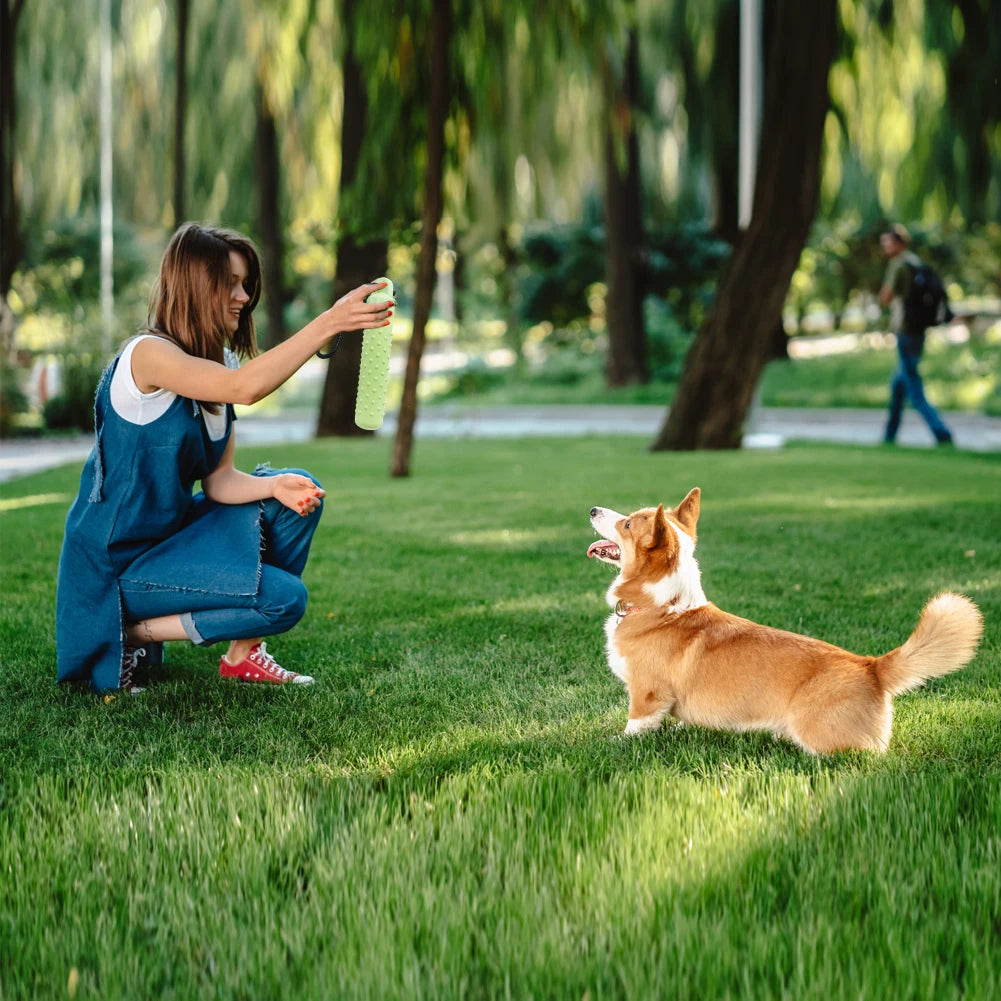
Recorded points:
(279, 603)
(906, 385)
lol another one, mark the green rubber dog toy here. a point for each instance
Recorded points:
(373, 376)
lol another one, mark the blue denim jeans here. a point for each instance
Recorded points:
(279, 603)
(906, 385)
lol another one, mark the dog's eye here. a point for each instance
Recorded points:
(626, 526)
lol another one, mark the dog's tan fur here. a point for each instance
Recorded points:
(679, 654)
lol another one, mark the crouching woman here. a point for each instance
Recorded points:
(144, 559)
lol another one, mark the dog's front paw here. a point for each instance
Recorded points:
(644, 724)
(637, 726)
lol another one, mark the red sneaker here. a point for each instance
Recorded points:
(261, 666)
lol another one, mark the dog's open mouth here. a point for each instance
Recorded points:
(604, 550)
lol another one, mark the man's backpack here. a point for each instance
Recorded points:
(926, 303)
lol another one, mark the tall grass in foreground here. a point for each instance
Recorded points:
(450, 812)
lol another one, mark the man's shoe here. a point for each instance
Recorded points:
(259, 665)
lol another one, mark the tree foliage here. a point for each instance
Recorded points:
(915, 126)
(913, 132)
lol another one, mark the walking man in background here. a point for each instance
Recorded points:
(913, 308)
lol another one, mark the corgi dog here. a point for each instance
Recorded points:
(680, 655)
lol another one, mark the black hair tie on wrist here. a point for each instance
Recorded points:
(337, 344)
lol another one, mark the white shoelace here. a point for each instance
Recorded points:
(130, 661)
(269, 664)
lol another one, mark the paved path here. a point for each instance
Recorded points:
(770, 427)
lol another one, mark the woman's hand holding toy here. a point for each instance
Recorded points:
(354, 311)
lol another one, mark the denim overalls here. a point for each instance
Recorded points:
(138, 544)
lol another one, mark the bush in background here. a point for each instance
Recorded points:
(73, 407)
(12, 398)
(841, 269)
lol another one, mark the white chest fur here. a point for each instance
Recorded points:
(616, 662)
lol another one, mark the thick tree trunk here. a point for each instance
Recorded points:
(10, 236)
(514, 334)
(626, 361)
(10, 230)
(974, 113)
(269, 220)
(437, 111)
(731, 349)
(722, 102)
(180, 113)
(357, 262)
(459, 279)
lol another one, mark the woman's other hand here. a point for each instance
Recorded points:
(297, 493)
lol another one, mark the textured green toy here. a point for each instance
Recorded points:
(373, 376)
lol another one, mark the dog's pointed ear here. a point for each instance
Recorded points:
(687, 512)
(660, 528)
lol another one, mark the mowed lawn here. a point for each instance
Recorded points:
(451, 811)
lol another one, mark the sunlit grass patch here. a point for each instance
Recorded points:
(33, 500)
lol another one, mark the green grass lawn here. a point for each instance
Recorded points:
(451, 812)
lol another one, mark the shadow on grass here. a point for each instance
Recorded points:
(903, 906)
(667, 866)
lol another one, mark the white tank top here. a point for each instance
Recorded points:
(144, 408)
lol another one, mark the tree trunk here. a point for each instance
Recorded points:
(459, 280)
(269, 221)
(437, 112)
(722, 102)
(106, 197)
(10, 236)
(626, 361)
(514, 334)
(974, 102)
(731, 349)
(357, 261)
(180, 112)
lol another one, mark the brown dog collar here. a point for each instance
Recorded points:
(622, 609)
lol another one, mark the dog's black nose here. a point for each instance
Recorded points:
(594, 511)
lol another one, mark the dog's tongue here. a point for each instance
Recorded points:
(601, 547)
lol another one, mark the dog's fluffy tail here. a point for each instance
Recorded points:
(945, 639)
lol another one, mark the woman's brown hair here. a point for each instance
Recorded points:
(188, 297)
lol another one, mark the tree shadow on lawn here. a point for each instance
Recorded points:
(814, 873)
(743, 869)
(865, 885)
(791, 872)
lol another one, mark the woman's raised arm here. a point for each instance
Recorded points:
(158, 363)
